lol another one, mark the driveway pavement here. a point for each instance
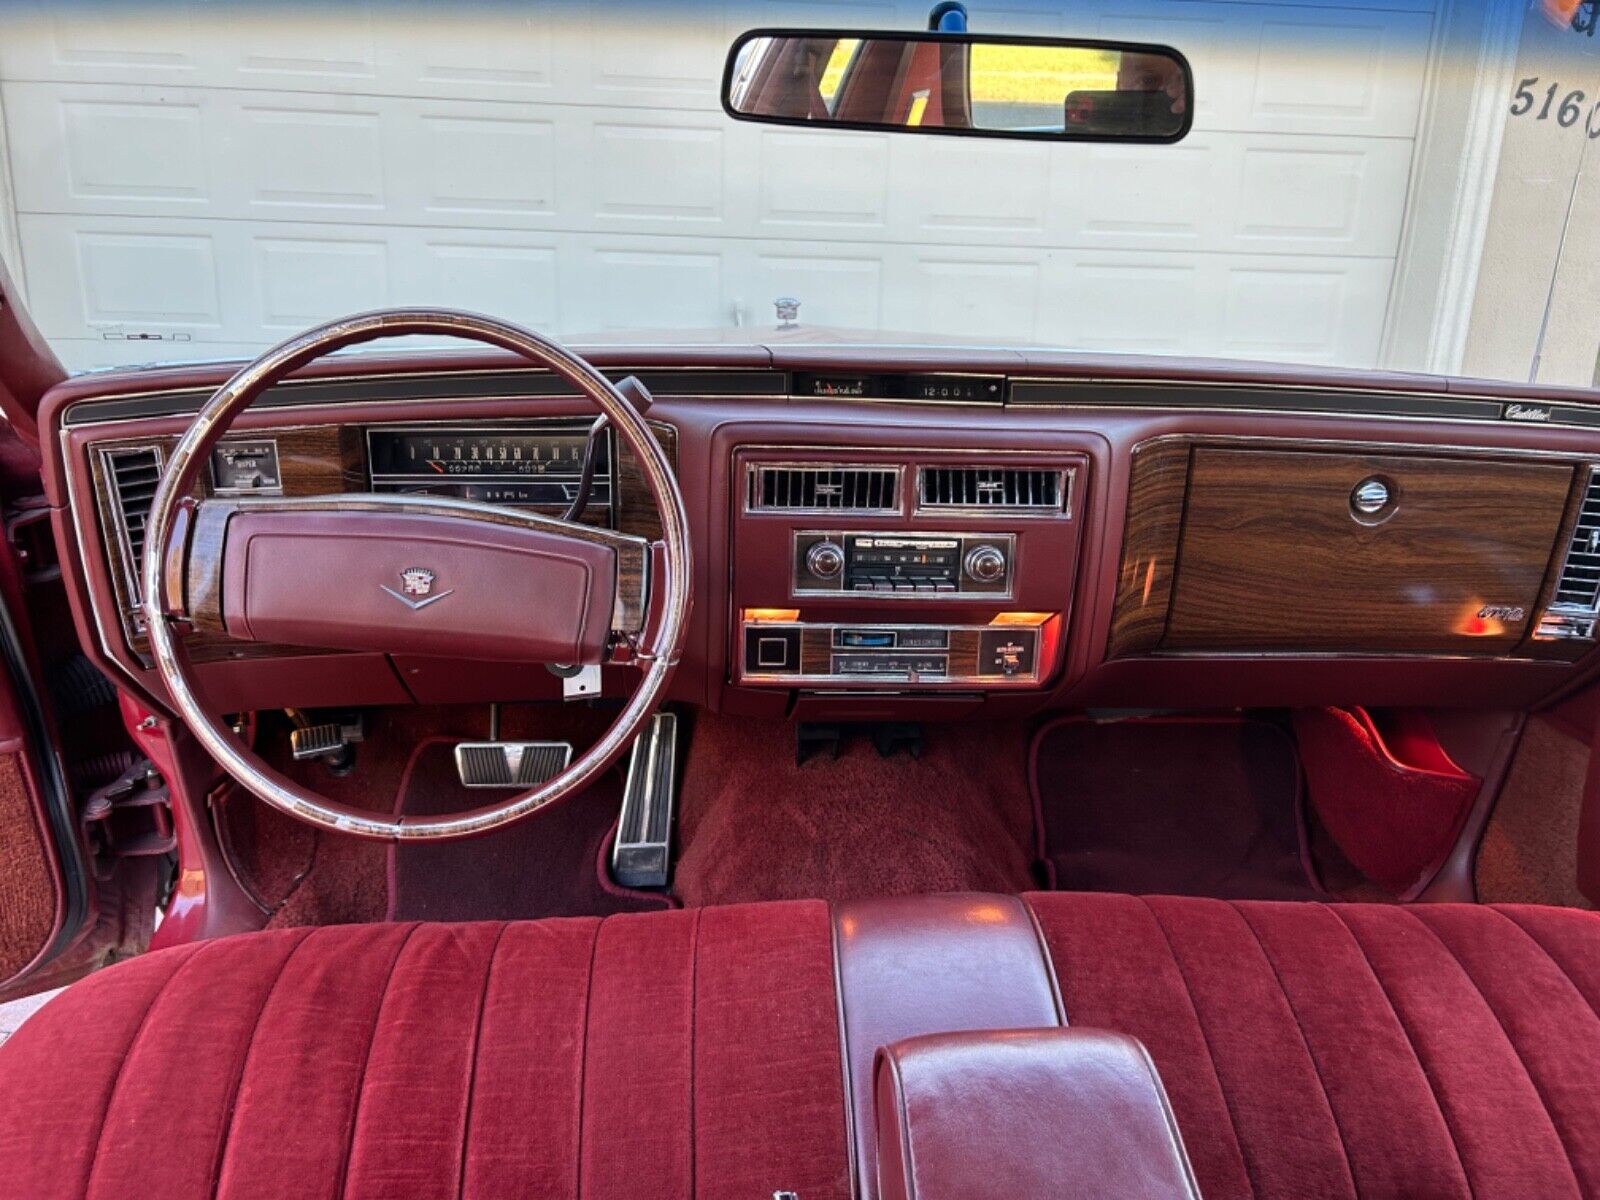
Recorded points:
(14, 1014)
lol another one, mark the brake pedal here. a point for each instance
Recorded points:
(510, 764)
(641, 855)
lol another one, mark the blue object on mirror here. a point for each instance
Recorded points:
(948, 16)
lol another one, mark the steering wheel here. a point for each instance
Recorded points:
(402, 573)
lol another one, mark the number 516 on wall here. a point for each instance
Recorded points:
(1567, 110)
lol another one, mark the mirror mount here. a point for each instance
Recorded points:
(948, 16)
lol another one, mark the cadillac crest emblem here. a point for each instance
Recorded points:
(416, 588)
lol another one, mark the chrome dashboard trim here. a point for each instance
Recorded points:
(775, 383)
(186, 401)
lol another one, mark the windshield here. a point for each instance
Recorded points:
(1404, 184)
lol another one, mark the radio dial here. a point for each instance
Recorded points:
(986, 564)
(825, 560)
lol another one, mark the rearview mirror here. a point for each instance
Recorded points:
(1047, 88)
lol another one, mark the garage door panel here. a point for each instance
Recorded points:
(1288, 69)
(220, 179)
(463, 269)
(1280, 307)
(837, 186)
(232, 284)
(1300, 312)
(272, 156)
(1365, 82)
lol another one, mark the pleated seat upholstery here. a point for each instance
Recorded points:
(1307, 1050)
(1353, 1050)
(669, 1054)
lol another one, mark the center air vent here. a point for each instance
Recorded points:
(132, 474)
(992, 488)
(782, 487)
(1579, 585)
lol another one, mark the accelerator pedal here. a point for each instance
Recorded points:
(641, 855)
(510, 764)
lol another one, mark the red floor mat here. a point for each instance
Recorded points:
(548, 865)
(755, 826)
(1171, 806)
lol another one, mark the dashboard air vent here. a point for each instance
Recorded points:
(1579, 585)
(992, 487)
(776, 487)
(133, 474)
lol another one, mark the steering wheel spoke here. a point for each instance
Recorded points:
(399, 574)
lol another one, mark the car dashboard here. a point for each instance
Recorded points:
(894, 534)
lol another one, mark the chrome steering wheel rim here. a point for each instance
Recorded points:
(213, 421)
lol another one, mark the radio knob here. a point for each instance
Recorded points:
(986, 564)
(825, 560)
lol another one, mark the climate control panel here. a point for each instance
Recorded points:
(913, 565)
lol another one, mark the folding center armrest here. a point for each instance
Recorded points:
(1025, 1115)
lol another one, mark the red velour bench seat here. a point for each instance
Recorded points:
(1307, 1050)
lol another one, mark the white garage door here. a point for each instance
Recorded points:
(197, 183)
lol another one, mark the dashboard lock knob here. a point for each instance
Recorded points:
(825, 560)
(986, 564)
(1371, 496)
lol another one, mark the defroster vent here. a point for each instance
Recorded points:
(133, 473)
(993, 487)
(779, 487)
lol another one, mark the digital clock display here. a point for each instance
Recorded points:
(931, 389)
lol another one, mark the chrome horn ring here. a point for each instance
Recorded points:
(211, 423)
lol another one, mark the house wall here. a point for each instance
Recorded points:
(1530, 238)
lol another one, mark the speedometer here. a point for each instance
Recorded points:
(502, 466)
(424, 453)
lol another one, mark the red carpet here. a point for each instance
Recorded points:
(547, 865)
(1172, 806)
(754, 826)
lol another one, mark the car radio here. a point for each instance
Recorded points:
(918, 565)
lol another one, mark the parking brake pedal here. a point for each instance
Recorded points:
(641, 855)
(510, 764)
(333, 742)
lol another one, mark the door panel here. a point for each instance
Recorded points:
(45, 890)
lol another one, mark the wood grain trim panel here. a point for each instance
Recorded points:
(636, 511)
(1157, 485)
(1271, 557)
